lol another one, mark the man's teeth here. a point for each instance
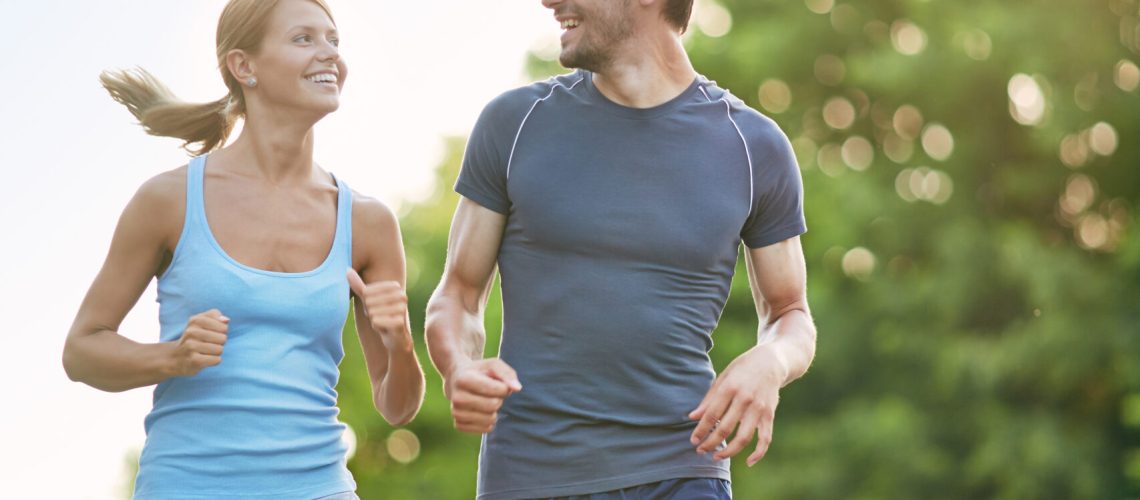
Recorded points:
(323, 78)
(570, 23)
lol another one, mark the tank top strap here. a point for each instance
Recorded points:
(195, 175)
(343, 239)
(193, 237)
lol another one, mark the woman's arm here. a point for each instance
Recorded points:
(381, 308)
(94, 352)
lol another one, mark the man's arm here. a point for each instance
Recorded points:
(454, 327)
(747, 391)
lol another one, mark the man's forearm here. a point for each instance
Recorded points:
(791, 337)
(454, 334)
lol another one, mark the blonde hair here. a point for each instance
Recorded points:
(242, 26)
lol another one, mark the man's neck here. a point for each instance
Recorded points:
(648, 72)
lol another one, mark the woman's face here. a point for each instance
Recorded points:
(298, 65)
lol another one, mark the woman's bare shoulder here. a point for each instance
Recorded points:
(160, 204)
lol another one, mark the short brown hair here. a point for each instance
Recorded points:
(677, 12)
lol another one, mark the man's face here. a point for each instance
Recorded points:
(592, 30)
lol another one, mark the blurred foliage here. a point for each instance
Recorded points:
(977, 297)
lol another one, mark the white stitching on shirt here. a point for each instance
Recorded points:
(557, 84)
(747, 151)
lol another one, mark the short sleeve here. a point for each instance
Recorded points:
(483, 174)
(778, 194)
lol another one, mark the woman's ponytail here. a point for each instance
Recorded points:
(161, 113)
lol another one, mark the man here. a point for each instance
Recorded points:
(614, 200)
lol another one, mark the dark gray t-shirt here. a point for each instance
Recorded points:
(623, 227)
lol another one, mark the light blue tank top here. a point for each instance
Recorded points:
(263, 423)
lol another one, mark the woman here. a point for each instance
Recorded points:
(253, 248)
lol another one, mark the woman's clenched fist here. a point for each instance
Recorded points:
(201, 343)
(386, 306)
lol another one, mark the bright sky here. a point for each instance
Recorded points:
(72, 157)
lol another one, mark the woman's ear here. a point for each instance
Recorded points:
(241, 66)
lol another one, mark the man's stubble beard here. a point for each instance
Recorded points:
(596, 53)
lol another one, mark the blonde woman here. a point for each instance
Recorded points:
(255, 249)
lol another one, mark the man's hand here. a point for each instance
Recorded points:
(746, 393)
(476, 390)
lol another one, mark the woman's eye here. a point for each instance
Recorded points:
(303, 38)
(335, 42)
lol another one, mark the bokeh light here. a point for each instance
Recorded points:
(902, 186)
(820, 6)
(858, 153)
(976, 43)
(859, 263)
(1085, 93)
(1079, 195)
(713, 19)
(1026, 100)
(775, 95)
(1126, 75)
(845, 18)
(898, 149)
(907, 121)
(924, 183)
(1102, 139)
(838, 113)
(946, 190)
(830, 70)
(403, 446)
(1092, 232)
(937, 141)
(1075, 150)
(937, 187)
(907, 37)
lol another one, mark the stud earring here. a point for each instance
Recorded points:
(252, 82)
